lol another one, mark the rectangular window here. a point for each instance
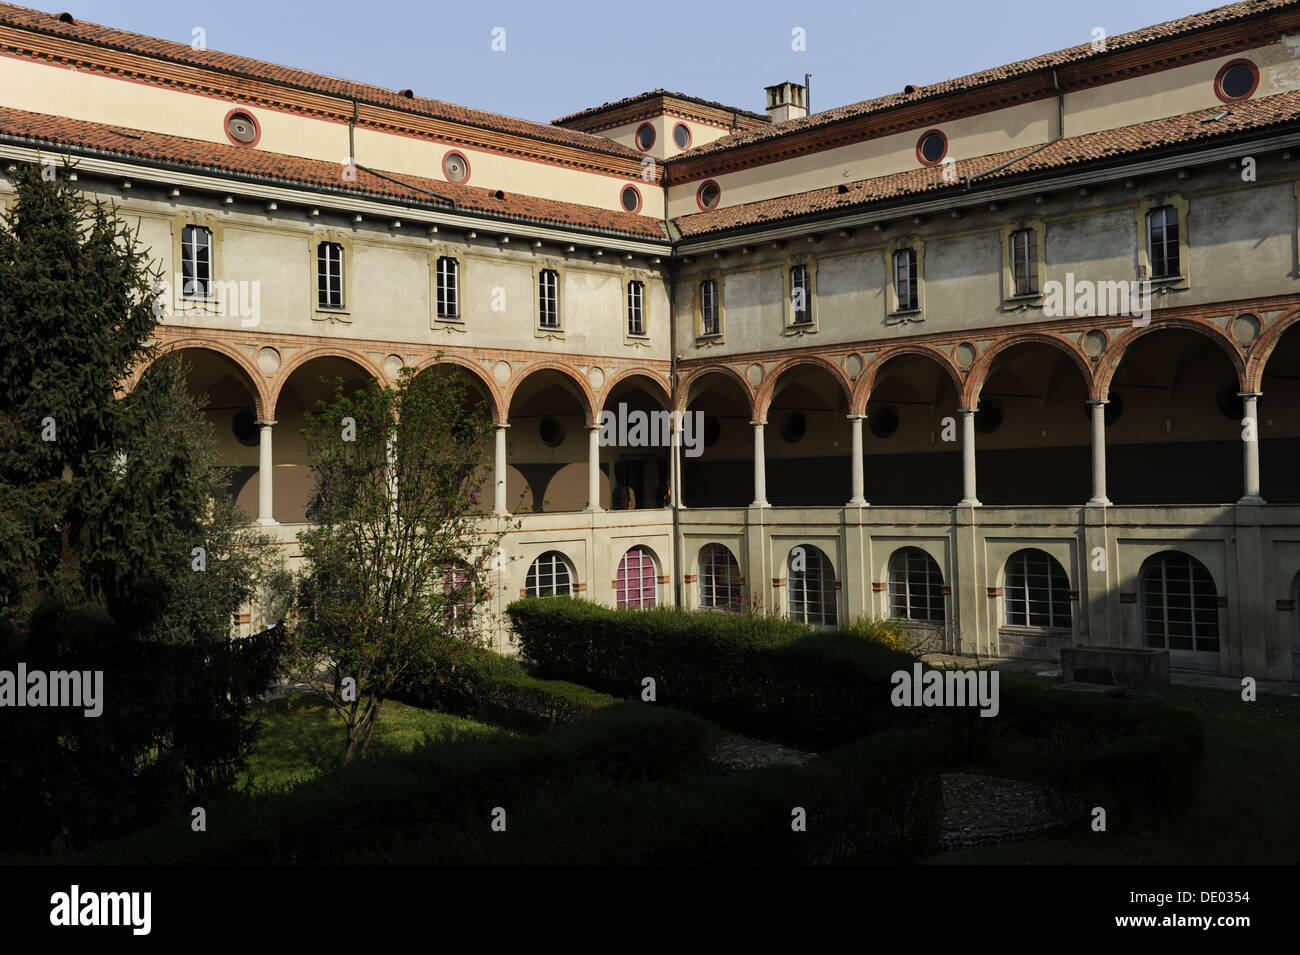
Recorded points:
(448, 287)
(548, 301)
(329, 275)
(799, 311)
(636, 308)
(196, 262)
(709, 306)
(1024, 262)
(905, 279)
(1162, 241)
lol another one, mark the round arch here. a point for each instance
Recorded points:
(871, 374)
(979, 372)
(684, 392)
(659, 386)
(772, 382)
(326, 351)
(1113, 357)
(1262, 349)
(493, 393)
(254, 380)
(579, 381)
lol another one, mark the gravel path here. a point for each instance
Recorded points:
(980, 810)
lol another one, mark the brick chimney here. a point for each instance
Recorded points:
(787, 101)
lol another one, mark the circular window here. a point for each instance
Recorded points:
(794, 427)
(681, 136)
(241, 128)
(708, 195)
(631, 199)
(1230, 404)
(712, 431)
(1237, 80)
(551, 432)
(883, 421)
(932, 147)
(645, 137)
(989, 415)
(244, 425)
(455, 167)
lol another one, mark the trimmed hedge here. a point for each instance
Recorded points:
(769, 677)
(776, 679)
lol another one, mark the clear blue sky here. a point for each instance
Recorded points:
(564, 56)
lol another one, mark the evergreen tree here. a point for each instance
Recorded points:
(108, 498)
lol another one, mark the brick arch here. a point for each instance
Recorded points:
(1114, 354)
(325, 351)
(1262, 349)
(660, 385)
(586, 398)
(493, 392)
(767, 391)
(684, 390)
(254, 379)
(867, 381)
(979, 371)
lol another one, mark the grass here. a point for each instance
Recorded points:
(1245, 808)
(298, 738)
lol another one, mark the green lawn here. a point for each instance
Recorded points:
(1247, 808)
(299, 738)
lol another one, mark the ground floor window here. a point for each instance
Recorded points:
(637, 586)
(549, 576)
(1180, 606)
(811, 583)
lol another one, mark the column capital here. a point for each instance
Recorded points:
(857, 417)
(1250, 394)
(758, 424)
(1097, 402)
(966, 410)
(501, 427)
(265, 423)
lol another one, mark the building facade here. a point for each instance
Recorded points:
(1010, 356)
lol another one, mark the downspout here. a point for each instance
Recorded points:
(676, 463)
(1060, 107)
(1060, 134)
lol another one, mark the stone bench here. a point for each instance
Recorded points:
(1125, 665)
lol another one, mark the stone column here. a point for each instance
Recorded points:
(499, 471)
(677, 466)
(593, 467)
(1098, 498)
(855, 426)
(1250, 446)
(265, 497)
(968, 498)
(760, 466)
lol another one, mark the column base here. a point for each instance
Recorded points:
(1252, 499)
(759, 504)
(593, 510)
(1099, 502)
(969, 502)
(266, 522)
(857, 502)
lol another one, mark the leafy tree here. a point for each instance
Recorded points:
(105, 494)
(399, 553)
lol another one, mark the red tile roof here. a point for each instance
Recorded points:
(1047, 61)
(35, 20)
(257, 164)
(1127, 141)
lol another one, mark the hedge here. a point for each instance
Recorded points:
(775, 679)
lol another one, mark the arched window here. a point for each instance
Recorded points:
(915, 586)
(719, 578)
(459, 596)
(1180, 607)
(637, 585)
(549, 576)
(811, 582)
(1037, 591)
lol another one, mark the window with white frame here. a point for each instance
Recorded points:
(1179, 604)
(905, 290)
(709, 324)
(637, 585)
(549, 576)
(548, 298)
(636, 308)
(329, 275)
(1024, 262)
(915, 586)
(448, 276)
(811, 584)
(196, 261)
(800, 313)
(1036, 592)
(458, 598)
(719, 578)
(1162, 242)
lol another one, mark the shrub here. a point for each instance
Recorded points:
(885, 631)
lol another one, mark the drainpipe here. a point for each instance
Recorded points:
(675, 458)
(1060, 107)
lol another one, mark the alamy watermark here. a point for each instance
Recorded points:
(1085, 298)
(76, 688)
(652, 429)
(192, 298)
(946, 688)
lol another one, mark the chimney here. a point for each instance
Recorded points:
(786, 101)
